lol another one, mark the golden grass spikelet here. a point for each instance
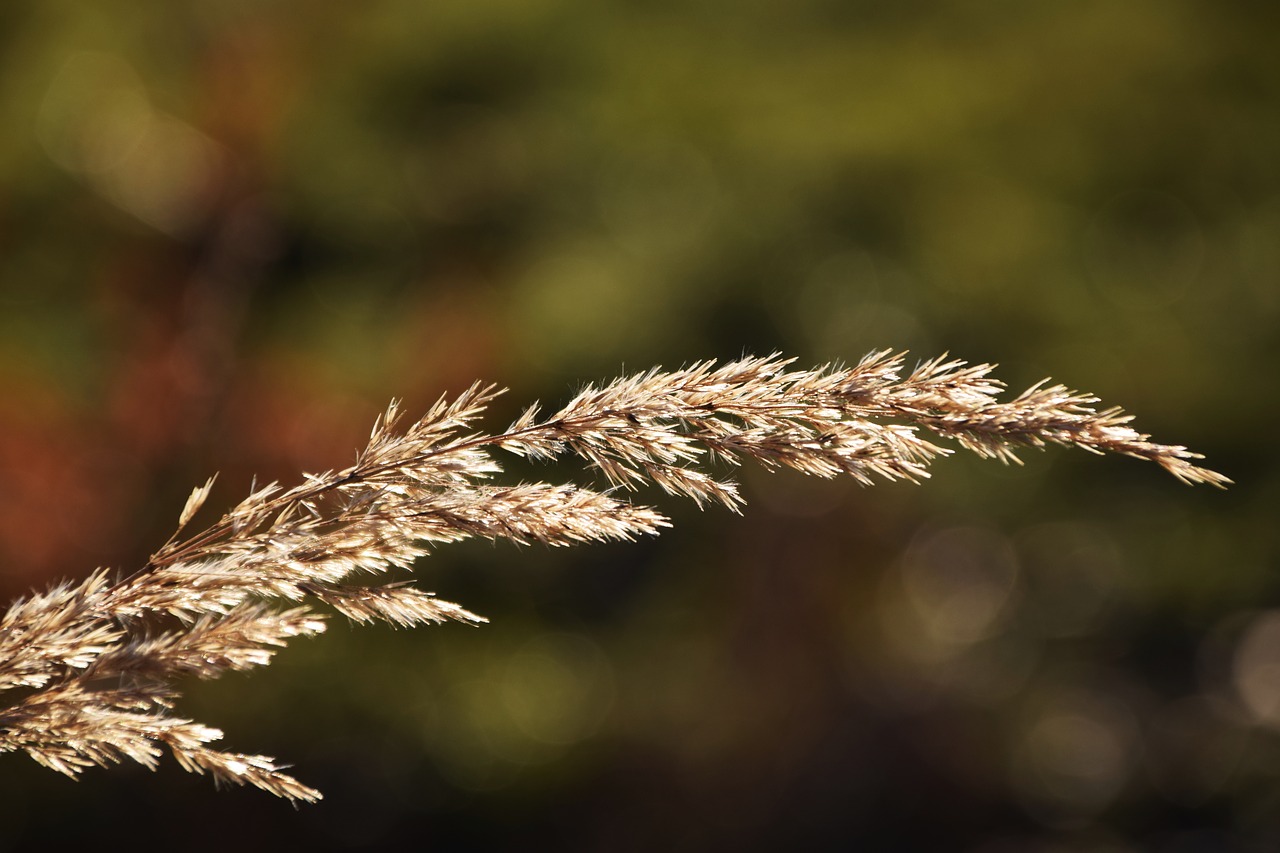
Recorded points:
(92, 665)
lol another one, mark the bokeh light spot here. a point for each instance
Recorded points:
(1256, 669)
(959, 581)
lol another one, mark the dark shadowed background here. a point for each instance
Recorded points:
(231, 232)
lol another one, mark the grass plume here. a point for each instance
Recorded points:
(90, 667)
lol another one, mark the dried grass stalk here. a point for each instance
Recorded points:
(91, 666)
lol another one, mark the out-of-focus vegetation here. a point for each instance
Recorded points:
(230, 232)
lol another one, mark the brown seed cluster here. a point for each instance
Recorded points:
(90, 667)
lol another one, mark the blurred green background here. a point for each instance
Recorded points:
(230, 232)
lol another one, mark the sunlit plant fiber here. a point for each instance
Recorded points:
(92, 665)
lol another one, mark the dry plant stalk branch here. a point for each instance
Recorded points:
(91, 666)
